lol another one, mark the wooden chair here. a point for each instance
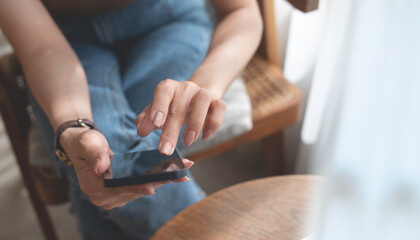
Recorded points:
(275, 105)
(42, 188)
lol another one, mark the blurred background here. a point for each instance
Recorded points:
(357, 64)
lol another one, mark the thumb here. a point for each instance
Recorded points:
(101, 163)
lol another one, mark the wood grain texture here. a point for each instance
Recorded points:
(268, 208)
(275, 162)
(268, 48)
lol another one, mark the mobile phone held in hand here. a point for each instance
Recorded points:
(145, 167)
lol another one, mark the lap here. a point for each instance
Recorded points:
(118, 93)
(173, 51)
(112, 112)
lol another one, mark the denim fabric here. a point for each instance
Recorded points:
(125, 54)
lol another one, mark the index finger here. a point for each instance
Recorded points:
(162, 98)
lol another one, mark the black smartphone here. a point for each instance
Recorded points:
(145, 167)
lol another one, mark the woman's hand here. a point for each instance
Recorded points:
(189, 102)
(91, 156)
(175, 103)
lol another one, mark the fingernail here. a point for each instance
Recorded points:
(166, 148)
(190, 137)
(107, 174)
(208, 133)
(171, 168)
(168, 167)
(158, 119)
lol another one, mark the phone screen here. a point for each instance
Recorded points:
(145, 167)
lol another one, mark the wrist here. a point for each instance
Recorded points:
(215, 92)
(211, 81)
(70, 129)
(68, 136)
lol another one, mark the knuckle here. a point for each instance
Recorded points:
(167, 81)
(91, 138)
(168, 136)
(203, 95)
(220, 104)
(190, 86)
(215, 121)
(196, 122)
(176, 112)
(165, 86)
(85, 137)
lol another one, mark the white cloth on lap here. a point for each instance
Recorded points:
(238, 119)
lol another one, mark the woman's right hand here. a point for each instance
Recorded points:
(91, 156)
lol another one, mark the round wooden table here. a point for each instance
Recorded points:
(268, 208)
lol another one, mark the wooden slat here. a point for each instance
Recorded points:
(269, 46)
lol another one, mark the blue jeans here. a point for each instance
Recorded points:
(125, 54)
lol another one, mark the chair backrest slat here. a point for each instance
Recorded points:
(269, 48)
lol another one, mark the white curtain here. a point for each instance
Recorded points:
(362, 122)
(299, 36)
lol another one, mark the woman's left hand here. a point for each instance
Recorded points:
(175, 103)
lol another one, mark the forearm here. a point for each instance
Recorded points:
(58, 83)
(52, 69)
(234, 41)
